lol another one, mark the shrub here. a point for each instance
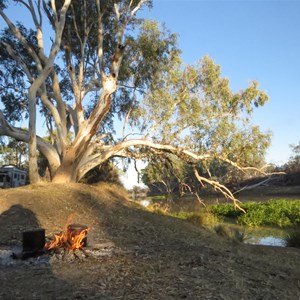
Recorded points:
(204, 218)
(274, 213)
(159, 208)
(225, 210)
(233, 234)
(222, 230)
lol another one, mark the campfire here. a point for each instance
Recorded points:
(69, 245)
(73, 238)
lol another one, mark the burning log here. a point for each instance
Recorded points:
(75, 237)
(78, 235)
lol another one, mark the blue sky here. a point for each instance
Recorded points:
(251, 40)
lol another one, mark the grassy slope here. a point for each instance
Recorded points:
(167, 258)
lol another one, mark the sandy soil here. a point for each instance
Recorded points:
(154, 257)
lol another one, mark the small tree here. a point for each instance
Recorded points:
(14, 153)
(293, 164)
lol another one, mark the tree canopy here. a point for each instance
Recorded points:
(107, 67)
(13, 152)
(293, 165)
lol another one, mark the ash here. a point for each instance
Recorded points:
(12, 256)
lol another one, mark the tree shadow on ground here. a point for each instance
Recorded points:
(30, 278)
(128, 225)
(14, 221)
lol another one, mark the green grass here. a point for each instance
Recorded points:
(280, 213)
(198, 218)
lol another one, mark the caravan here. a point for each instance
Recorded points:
(10, 176)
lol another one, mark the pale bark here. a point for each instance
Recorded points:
(79, 147)
(33, 155)
(122, 150)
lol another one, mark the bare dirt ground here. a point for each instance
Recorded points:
(155, 257)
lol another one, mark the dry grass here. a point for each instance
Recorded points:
(163, 257)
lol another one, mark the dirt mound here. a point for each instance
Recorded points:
(161, 258)
(105, 209)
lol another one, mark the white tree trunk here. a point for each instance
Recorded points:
(32, 143)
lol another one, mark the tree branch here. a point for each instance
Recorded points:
(20, 62)
(220, 188)
(121, 150)
(23, 135)
(100, 38)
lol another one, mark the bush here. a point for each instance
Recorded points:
(222, 230)
(228, 210)
(233, 234)
(204, 218)
(293, 238)
(273, 213)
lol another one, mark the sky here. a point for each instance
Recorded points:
(251, 40)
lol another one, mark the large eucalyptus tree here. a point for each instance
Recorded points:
(106, 65)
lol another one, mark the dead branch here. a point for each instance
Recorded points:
(220, 188)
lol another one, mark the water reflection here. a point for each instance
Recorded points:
(267, 241)
(267, 236)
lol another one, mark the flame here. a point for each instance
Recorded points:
(77, 240)
(67, 239)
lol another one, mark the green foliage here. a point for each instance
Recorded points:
(228, 210)
(165, 174)
(293, 164)
(271, 213)
(13, 81)
(199, 99)
(107, 172)
(195, 108)
(13, 153)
